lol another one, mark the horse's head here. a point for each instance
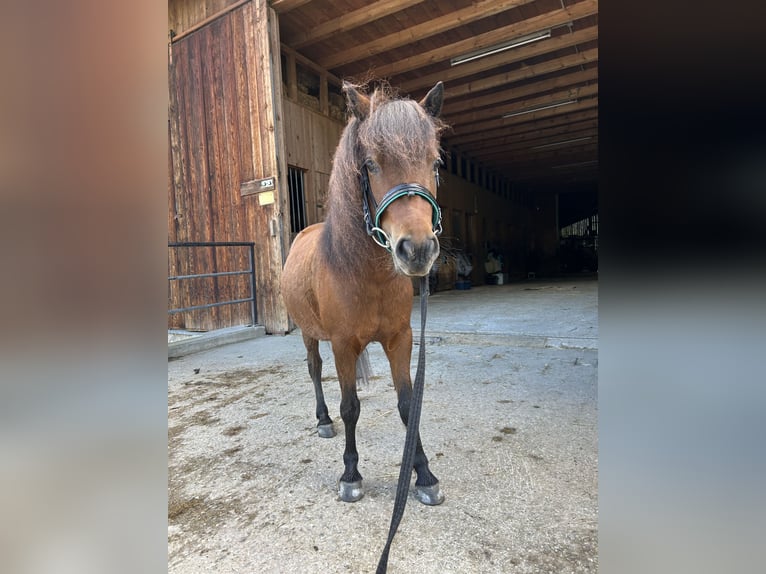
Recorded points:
(398, 157)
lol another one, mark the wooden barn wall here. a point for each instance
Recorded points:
(183, 15)
(495, 220)
(225, 132)
(310, 142)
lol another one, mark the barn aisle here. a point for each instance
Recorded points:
(509, 423)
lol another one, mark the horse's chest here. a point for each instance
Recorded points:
(383, 316)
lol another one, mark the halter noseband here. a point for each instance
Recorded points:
(403, 189)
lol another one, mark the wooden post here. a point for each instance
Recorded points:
(292, 78)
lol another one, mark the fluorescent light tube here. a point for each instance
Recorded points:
(562, 142)
(577, 164)
(523, 40)
(538, 108)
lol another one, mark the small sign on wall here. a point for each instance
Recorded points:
(258, 186)
(266, 198)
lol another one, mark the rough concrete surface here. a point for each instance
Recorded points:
(509, 424)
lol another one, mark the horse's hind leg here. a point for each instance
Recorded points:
(324, 426)
(399, 350)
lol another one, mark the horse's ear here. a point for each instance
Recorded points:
(433, 100)
(358, 103)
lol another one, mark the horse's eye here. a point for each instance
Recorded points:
(371, 166)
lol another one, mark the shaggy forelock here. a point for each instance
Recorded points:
(399, 132)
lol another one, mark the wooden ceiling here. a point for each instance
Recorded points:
(410, 43)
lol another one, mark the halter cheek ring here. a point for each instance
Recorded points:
(381, 238)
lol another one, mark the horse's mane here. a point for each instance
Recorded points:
(397, 130)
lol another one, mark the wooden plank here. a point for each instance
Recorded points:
(450, 75)
(311, 137)
(242, 88)
(432, 27)
(522, 149)
(237, 287)
(175, 321)
(257, 222)
(350, 20)
(467, 139)
(282, 322)
(537, 137)
(227, 177)
(181, 29)
(178, 206)
(520, 157)
(287, 50)
(323, 103)
(283, 6)
(233, 287)
(197, 218)
(292, 77)
(571, 93)
(481, 127)
(213, 90)
(512, 93)
(523, 73)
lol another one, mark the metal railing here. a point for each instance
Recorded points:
(250, 271)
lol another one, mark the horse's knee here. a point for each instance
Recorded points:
(349, 409)
(315, 367)
(404, 405)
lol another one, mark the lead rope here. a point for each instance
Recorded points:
(413, 422)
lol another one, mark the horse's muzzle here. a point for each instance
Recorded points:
(415, 258)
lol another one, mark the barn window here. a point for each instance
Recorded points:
(295, 180)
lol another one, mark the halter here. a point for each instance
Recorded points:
(403, 189)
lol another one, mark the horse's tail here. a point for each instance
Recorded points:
(363, 369)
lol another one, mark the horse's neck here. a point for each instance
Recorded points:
(350, 251)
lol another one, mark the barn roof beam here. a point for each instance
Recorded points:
(506, 95)
(527, 131)
(490, 62)
(525, 72)
(483, 126)
(552, 19)
(349, 21)
(519, 106)
(283, 6)
(477, 11)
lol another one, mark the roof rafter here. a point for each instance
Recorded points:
(479, 10)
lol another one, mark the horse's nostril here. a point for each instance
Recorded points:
(406, 250)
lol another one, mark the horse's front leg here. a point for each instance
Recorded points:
(324, 425)
(346, 354)
(398, 349)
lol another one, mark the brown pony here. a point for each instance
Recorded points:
(348, 280)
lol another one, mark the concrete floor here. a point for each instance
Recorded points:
(509, 424)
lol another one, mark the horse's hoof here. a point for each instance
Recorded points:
(350, 491)
(430, 495)
(326, 431)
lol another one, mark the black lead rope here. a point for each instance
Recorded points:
(413, 422)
